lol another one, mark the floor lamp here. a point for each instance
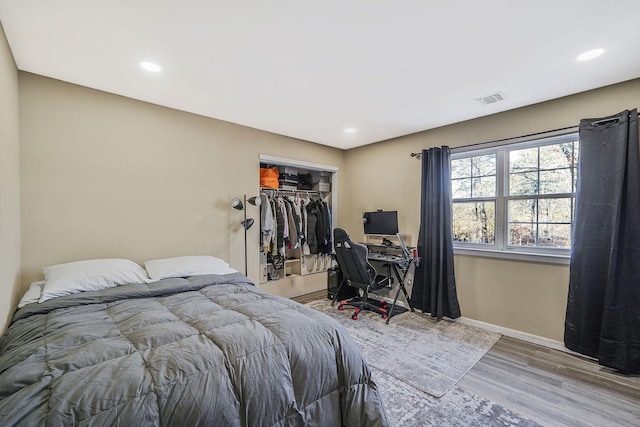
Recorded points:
(241, 205)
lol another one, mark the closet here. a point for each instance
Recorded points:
(296, 223)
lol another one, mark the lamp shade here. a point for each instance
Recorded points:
(237, 204)
(255, 200)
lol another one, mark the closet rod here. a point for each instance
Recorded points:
(278, 190)
(597, 122)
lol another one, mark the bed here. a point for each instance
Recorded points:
(200, 350)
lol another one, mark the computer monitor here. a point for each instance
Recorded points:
(381, 222)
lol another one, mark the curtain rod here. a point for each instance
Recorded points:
(418, 155)
(597, 122)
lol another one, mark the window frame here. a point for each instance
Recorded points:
(501, 247)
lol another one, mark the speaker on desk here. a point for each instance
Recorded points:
(333, 282)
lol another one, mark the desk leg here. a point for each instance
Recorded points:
(400, 288)
(404, 290)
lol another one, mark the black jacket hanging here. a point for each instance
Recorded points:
(312, 223)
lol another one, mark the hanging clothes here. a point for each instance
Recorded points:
(297, 215)
(326, 218)
(267, 222)
(312, 227)
(320, 226)
(295, 223)
(277, 228)
(293, 229)
(305, 227)
(285, 227)
(280, 226)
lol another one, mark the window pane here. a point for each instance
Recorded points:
(523, 210)
(523, 160)
(461, 168)
(556, 156)
(522, 184)
(484, 165)
(522, 234)
(554, 235)
(484, 187)
(523, 216)
(461, 188)
(555, 210)
(474, 222)
(555, 181)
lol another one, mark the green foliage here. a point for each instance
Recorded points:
(539, 200)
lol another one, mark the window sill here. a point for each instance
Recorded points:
(511, 255)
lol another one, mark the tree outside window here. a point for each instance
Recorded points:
(518, 196)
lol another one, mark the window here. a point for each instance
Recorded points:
(516, 198)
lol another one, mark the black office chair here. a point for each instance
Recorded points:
(357, 272)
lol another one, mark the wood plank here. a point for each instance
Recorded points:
(304, 299)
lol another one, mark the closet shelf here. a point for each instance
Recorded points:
(266, 190)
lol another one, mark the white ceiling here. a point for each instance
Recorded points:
(311, 69)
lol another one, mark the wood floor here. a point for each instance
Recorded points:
(548, 386)
(554, 388)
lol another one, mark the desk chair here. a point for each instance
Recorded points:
(357, 272)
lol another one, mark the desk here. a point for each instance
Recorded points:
(395, 265)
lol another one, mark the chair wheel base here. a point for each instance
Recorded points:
(380, 307)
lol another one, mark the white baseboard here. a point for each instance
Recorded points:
(522, 336)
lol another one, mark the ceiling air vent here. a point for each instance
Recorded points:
(491, 99)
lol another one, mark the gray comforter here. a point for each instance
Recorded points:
(206, 350)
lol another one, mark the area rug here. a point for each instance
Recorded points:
(409, 407)
(428, 355)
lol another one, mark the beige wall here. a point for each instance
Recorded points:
(9, 184)
(525, 296)
(108, 176)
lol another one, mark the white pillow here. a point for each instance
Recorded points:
(32, 295)
(90, 275)
(186, 266)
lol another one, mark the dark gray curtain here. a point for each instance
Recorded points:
(603, 308)
(434, 286)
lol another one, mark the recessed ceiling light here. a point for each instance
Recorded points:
(590, 54)
(150, 66)
(350, 130)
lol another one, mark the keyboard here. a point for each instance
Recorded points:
(377, 256)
